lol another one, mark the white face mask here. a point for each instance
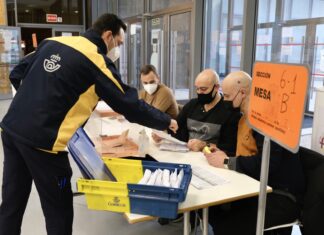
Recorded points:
(150, 88)
(114, 53)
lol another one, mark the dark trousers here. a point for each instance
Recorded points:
(240, 217)
(51, 174)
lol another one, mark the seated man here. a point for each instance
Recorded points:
(205, 120)
(285, 172)
(157, 94)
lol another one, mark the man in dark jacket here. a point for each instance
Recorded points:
(286, 175)
(205, 120)
(58, 87)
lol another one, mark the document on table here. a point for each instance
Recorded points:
(202, 178)
(165, 136)
(173, 147)
(169, 143)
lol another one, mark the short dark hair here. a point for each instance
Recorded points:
(146, 69)
(108, 22)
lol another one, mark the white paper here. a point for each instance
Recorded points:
(166, 146)
(146, 177)
(179, 178)
(202, 178)
(158, 181)
(173, 178)
(168, 137)
(152, 178)
(166, 178)
(102, 106)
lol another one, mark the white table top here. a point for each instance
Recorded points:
(239, 187)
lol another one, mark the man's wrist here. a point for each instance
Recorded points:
(232, 163)
(225, 163)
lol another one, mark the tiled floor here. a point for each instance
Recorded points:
(87, 222)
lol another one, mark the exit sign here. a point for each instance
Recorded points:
(51, 18)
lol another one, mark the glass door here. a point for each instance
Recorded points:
(130, 61)
(179, 72)
(134, 51)
(156, 47)
(169, 44)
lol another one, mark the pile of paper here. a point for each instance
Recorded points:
(202, 178)
(162, 178)
(169, 143)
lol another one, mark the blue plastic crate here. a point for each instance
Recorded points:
(125, 195)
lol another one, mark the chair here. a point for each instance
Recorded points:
(180, 107)
(279, 228)
(312, 218)
(313, 209)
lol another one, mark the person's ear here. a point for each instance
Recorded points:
(106, 35)
(243, 91)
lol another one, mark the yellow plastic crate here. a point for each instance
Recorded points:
(126, 195)
(112, 196)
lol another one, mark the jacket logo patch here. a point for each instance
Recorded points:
(51, 65)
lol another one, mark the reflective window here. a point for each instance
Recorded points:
(11, 12)
(294, 37)
(180, 55)
(155, 49)
(238, 7)
(127, 9)
(10, 54)
(293, 44)
(50, 12)
(317, 78)
(264, 45)
(124, 58)
(297, 9)
(156, 5)
(223, 41)
(317, 9)
(235, 47)
(269, 15)
(135, 54)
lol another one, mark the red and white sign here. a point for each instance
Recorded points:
(51, 18)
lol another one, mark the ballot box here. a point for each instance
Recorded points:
(125, 194)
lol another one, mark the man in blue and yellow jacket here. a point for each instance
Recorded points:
(58, 87)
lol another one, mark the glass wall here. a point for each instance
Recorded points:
(156, 5)
(128, 9)
(123, 59)
(11, 12)
(161, 38)
(291, 31)
(180, 55)
(156, 45)
(134, 51)
(223, 35)
(130, 61)
(10, 53)
(53, 12)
